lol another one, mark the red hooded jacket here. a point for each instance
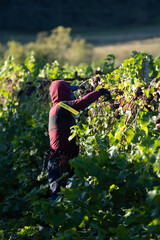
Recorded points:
(60, 119)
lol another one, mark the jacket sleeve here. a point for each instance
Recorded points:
(82, 103)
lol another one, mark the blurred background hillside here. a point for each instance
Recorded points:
(92, 29)
(42, 15)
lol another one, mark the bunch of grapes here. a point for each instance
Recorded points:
(40, 89)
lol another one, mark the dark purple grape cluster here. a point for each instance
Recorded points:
(98, 72)
(117, 115)
(156, 97)
(157, 122)
(114, 106)
(30, 88)
(8, 80)
(90, 89)
(138, 92)
(20, 93)
(107, 96)
(118, 92)
(148, 100)
(95, 81)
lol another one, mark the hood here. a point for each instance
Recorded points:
(59, 91)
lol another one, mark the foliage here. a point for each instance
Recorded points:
(115, 191)
(79, 51)
(17, 50)
(58, 45)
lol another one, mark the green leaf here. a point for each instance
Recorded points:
(156, 143)
(122, 231)
(129, 135)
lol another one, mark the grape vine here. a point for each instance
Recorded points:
(115, 191)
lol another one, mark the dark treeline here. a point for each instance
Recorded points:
(34, 16)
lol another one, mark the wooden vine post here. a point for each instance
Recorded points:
(145, 71)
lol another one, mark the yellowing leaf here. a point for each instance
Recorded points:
(117, 77)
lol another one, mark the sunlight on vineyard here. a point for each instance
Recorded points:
(115, 191)
(122, 51)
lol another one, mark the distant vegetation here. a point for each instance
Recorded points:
(91, 47)
(56, 45)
